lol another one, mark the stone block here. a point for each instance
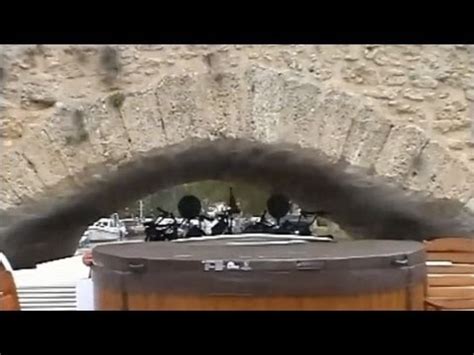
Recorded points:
(436, 171)
(366, 137)
(403, 145)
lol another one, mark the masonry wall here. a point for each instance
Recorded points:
(431, 86)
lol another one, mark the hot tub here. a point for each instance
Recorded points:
(233, 274)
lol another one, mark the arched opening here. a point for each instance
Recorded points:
(361, 203)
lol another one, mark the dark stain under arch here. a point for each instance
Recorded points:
(365, 205)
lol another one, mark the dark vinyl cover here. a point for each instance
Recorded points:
(214, 267)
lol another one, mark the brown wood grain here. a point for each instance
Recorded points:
(8, 292)
(451, 303)
(107, 300)
(391, 300)
(452, 292)
(451, 244)
(8, 303)
(452, 269)
(450, 280)
(456, 257)
(7, 284)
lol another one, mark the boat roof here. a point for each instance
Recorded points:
(66, 271)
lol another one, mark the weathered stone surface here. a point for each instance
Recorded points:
(413, 67)
(425, 82)
(457, 145)
(106, 128)
(301, 120)
(110, 64)
(337, 113)
(21, 175)
(144, 124)
(406, 109)
(178, 107)
(38, 95)
(360, 74)
(470, 95)
(5, 104)
(446, 126)
(370, 51)
(413, 94)
(43, 159)
(8, 197)
(10, 128)
(380, 57)
(320, 71)
(383, 93)
(69, 132)
(453, 110)
(436, 171)
(223, 100)
(395, 77)
(366, 138)
(403, 145)
(266, 89)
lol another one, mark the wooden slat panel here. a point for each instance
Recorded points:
(451, 292)
(451, 244)
(452, 269)
(453, 304)
(450, 280)
(460, 257)
(451, 287)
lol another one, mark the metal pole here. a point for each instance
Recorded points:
(141, 209)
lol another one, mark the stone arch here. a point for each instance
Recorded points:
(76, 166)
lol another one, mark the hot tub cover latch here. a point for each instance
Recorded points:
(400, 262)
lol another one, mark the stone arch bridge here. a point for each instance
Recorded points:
(326, 147)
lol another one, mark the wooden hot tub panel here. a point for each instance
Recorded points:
(361, 275)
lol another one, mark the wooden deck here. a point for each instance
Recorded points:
(450, 263)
